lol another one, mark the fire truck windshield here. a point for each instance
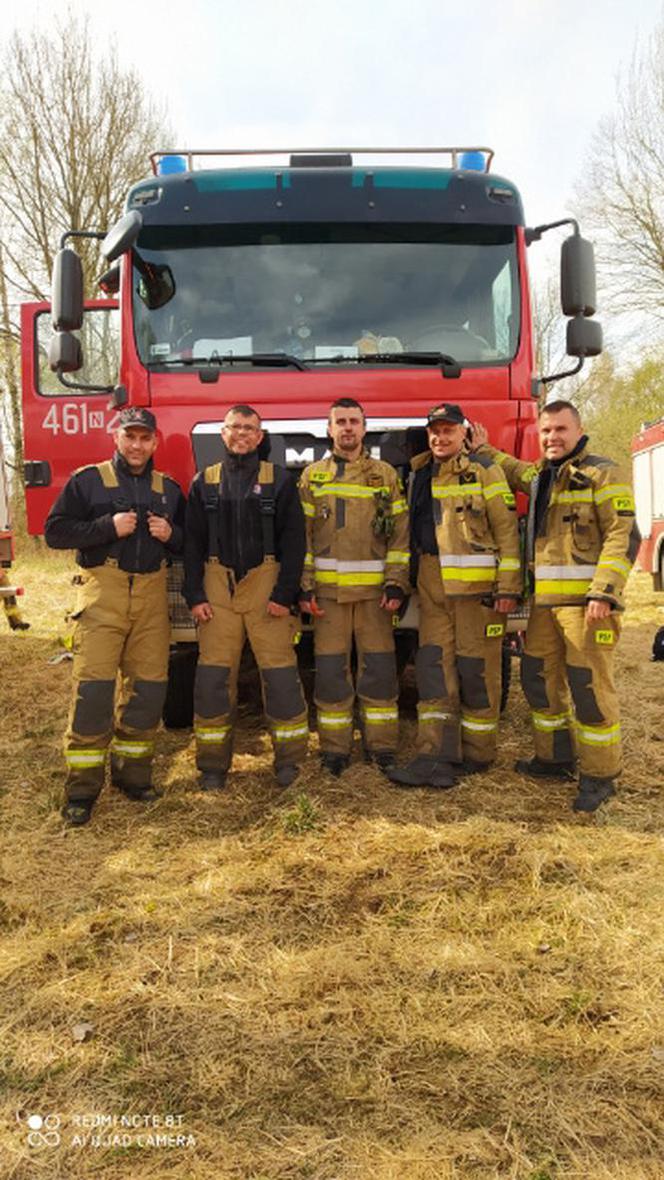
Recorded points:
(325, 292)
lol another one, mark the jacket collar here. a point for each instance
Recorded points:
(458, 462)
(573, 458)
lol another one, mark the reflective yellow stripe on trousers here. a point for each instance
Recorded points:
(212, 733)
(82, 759)
(336, 720)
(286, 733)
(551, 721)
(132, 749)
(374, 715)
(598, 735)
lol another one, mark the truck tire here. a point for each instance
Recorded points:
(178, 711)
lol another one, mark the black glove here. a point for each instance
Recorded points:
(392, 591)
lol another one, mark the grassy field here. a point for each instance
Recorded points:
(337, 981)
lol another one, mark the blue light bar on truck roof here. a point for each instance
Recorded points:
(170, 164)
(481, 157)
(472, 162)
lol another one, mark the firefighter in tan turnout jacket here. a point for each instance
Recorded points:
(465, 544)
(581, 541)
(355, 578)
(244, 549)
(125, 520)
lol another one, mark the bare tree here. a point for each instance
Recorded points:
(622, 195)
(76, 130)
(549, 327)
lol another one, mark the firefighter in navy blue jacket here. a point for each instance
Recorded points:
(125, 520)
(244, 551)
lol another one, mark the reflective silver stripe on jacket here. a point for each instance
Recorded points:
(349, 567)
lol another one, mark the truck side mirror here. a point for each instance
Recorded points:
(577, 277)
(67, 291)
(123, 235)
(584, 337)
(65, 354)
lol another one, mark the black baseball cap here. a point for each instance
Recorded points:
(138, 416)
(447, 412)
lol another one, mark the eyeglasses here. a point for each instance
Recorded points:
(241, 429)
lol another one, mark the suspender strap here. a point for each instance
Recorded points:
(268, 506)
(212, 491)
(109, 478)
(107, 474)
(158, 493)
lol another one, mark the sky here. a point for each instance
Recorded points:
(530, 78)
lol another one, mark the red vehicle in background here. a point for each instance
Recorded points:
(648, 469)
(287, 285)
(8, 591)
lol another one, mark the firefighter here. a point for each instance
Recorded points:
(355, 579)
(10, 606)
(465, 543)
(581, 541)
(244, 549)
(125, 519)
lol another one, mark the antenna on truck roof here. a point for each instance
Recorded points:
(471, 159)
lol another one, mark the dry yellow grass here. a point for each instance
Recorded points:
(337, 981)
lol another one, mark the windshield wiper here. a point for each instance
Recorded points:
(268, 359)
(450, 367)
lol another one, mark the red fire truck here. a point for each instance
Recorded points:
(286, 285)
(8, 591)
(648, 466)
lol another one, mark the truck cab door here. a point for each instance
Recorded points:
(65, 428)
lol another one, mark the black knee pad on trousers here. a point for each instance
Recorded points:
(93, 712)
(472, 683)
(532, 682)
(378, 677)
(283, 693)
(563, 750)
(211, 697)
(143, 709)
(429, 673)
(585, 702)
(332, 678)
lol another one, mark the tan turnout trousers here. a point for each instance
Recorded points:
(376, 676)
(121, 629)
(458, 672)
(240, 613)
(564, 654)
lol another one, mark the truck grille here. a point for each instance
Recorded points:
(183, 629)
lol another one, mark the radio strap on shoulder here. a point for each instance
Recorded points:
(268, 507)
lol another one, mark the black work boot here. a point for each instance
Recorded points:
(592, 792)
(538, 768)
(470, 766)
(77, 812)
(286, 775)
(423, 771)
(146, 794)
(335, 764)
(212, 780)
(383, 759)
